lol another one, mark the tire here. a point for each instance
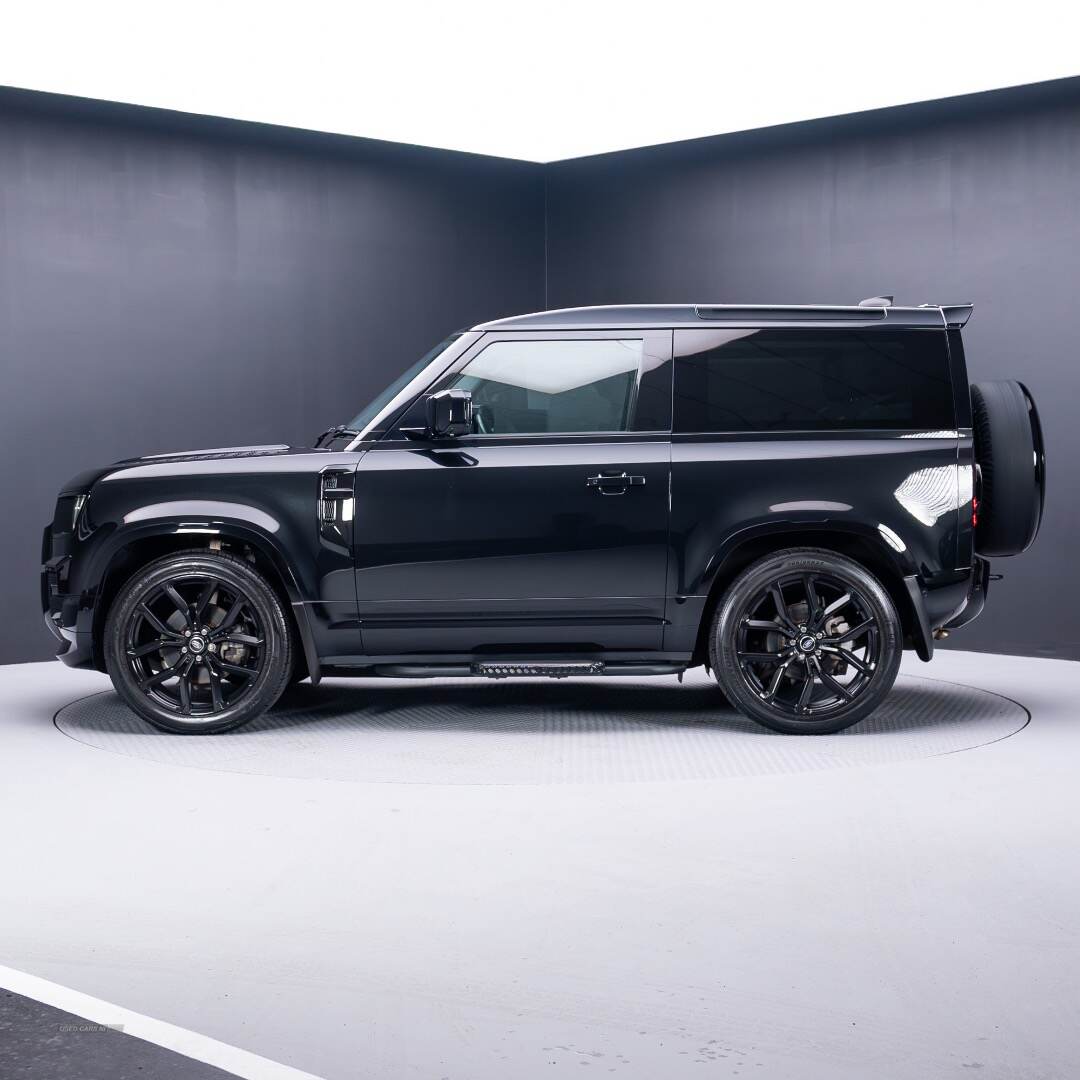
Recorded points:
(844, 641)
(1012, 467)
(225, 677)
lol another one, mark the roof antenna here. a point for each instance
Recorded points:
(876, 301)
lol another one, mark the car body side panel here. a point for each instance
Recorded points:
(900, 493)
(482, 542)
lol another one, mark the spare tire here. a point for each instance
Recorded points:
(1012, 467)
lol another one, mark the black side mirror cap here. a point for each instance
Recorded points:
(450, 414)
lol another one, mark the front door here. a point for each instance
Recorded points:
(546, 529)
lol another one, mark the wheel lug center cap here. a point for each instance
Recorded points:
(196, 643)
(807, 643)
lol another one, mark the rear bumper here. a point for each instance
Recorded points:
(946, 607)
(976, 597)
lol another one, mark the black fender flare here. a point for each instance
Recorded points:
(900, 561)
(244, 529)
(902, 567)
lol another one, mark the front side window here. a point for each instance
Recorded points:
(812, 380)
(567, 386)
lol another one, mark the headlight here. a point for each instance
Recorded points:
(69, 509)
(76, 510)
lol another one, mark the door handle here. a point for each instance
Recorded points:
(614, 483)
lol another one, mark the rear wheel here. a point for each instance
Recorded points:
(806, 641)
(198, 642)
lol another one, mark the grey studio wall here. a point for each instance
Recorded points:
(171, 281)
(974, 198)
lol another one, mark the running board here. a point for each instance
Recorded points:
(523, 669)
(550, 669)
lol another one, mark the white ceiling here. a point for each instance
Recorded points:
(543, 80)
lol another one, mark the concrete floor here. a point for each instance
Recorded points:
(916, 918)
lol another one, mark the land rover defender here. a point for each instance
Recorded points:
(789, 496)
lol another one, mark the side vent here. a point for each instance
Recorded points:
(336, 505)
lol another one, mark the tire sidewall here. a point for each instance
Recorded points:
(722, 642)
(1007, 450)
(232, 571)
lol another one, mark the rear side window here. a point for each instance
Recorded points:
(812, 380)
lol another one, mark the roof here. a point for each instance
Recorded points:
(662, 316)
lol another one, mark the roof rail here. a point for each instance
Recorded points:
(763, 313)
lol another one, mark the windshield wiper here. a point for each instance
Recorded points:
(336, 432)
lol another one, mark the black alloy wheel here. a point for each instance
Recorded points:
(198, 642)
(806, 642)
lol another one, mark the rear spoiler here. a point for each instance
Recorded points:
(956, 315)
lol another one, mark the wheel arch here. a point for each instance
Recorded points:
(132, 547)
(863, 545)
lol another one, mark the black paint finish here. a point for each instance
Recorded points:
(171, 282)
(972, 199)
(454, 543)
(409, 545)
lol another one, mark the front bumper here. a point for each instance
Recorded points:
(74, 647)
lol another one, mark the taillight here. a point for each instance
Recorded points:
(974, 511)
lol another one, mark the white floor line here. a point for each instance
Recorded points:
(188, 1043)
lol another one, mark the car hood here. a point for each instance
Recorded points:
(217, 453)
(84, 481)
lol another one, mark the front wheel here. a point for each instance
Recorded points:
(198, 643)
(806, 642)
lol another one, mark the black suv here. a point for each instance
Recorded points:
(789, 496)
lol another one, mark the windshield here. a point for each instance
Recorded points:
(363, 418)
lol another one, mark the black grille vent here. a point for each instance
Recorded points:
(336, 503)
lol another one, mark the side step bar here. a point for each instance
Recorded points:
(551, 670)
(523, 669)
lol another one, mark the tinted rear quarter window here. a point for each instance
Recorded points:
(812, 380)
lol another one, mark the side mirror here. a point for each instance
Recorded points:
(450, 414)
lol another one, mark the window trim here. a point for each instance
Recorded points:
(810, 433)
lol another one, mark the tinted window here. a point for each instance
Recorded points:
(532, 387)
(812, 380)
